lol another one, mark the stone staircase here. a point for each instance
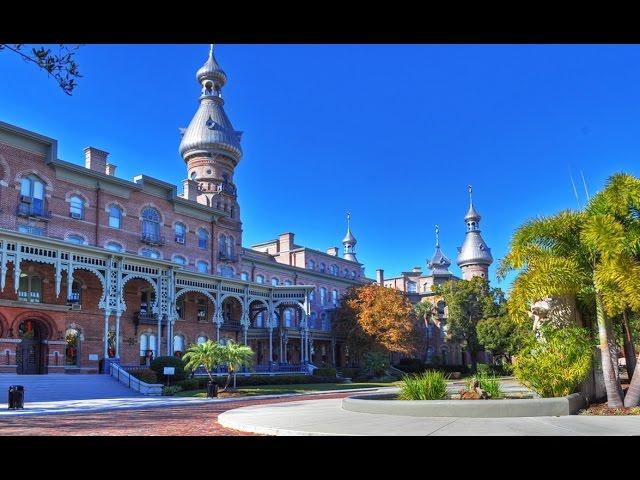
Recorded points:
(59, 387)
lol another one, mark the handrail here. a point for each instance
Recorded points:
(124, 377)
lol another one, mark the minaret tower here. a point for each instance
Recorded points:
(211, 149)
(439, 264)
(349, 242)
(474, 257)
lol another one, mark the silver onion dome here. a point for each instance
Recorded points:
(474, 251)
(349, 238)
(439, 263)
(211, 71)
(210, 130)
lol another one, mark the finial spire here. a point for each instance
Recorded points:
(437, 236)
(211, 49)
(470, 194)
(348, 220)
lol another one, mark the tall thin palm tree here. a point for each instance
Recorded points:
(235, 355)
(592, 255)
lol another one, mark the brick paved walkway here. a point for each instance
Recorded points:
(183, 421)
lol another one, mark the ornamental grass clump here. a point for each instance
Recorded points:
(429, 385)
(490, 384)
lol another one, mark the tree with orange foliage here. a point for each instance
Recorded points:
(372, 317)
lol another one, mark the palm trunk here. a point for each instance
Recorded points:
(226, 385)
(629, 350)
(608, 353)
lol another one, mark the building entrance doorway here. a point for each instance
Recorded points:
(30, 352)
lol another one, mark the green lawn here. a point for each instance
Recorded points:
(280, 389)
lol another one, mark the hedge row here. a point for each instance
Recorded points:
(200, 383)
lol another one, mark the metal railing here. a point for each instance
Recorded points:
(126, 378)
(30, 210)
(152, 238)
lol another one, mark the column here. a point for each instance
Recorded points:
(270, 346)
(333, 351)
(106, 334)
(169, 336)
(118, 315)
(159, 341)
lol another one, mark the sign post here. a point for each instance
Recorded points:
(168, 371)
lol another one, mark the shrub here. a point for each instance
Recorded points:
(375, 363)
(483, 369)
(555, 365)
(158, 364)
(200, 383)
(189, 383)
(411, 365)
(325, 372)
(430, 385)
(171, 390)
(350, 372)
(144, 375)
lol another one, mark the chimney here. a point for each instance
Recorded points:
(417, 269)
(333, 251)
(111, 169)
(286, 241)
(190, 190)
(380, 276)
(95, 159)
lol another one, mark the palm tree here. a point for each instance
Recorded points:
(235, 355)
(591, 255)
(208, 354)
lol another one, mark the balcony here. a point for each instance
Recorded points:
(152, 239)
(33, 211)
(230, 257)
(227, 188)
(148, 318)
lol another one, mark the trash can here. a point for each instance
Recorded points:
(212, 389)
(16, 397)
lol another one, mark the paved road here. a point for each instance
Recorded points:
(183, 420)
(326, 417)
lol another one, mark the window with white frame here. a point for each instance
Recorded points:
(77, 239)
(178, 345)
(180, 232)
(115, 216)
(323, 296)
(148, 347)
(150, 224)
(244, 276)
(202, 266)
(311, 265)
(180, 260)
(30, 288)
(203, 238)
(411, 287)
(334, 270)
(288, 318)
(275, 282)
(76, 207)
(31, 196)
(334, 297)
(150, 253)
(259, 278)
(114, 247)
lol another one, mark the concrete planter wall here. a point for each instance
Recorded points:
(533, 407)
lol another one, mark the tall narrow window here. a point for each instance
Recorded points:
(244, 276)
(180, 232)
(31, 196)
(203, 267)
(30, 289)
(323, 296)
(323, 268)
(178, 345)
(203, 238)
(115, 216)
(222, 244)
(202, 310)
(180, 307)
(259, 278)
(275, 282)
(150, 225)
(311, 265)
(334, 297)
(76, 289)
(230, 246)
(312, 295)
(76, 207)
(411, 287)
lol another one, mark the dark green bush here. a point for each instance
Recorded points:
(144, 375)
(158, 364)
(325, 372)
(199, 383)
(350, 372)
(420, 367)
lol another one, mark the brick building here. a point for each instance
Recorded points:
(96, 267)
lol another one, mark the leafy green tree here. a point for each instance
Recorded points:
(235, 355)
(208, 354)
(591, 255)
(469, 302)
(375, 363)
(502, 336)
(61, 65)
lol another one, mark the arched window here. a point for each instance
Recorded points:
(150, 225)
(77, 239)
(288, 283)
(313, 320)
(288, 317)
(259, 278)
(201, 339)
(178, 345)
(312, 295)
(259, 322)
(202, 310)
(76, 207)
(345, 273)
(230, 246)
(150, 253)
(334, 270)
(354, 274)
(311, 265)
(275, 281)
(244, 276)
(180, 231)
(323, 268)
(180, 260)
(202, 266)
(203, 238)
(222, 244)
(30, 289)
(324, 324)
(323, 296)
(180, 307)
(411, 287)
(227, 272)
(31, 196)
(115, 216)
(148, 348)
(334, 297)
(114, 247)
(429, 355)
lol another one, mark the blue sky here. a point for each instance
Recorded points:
(391, 133)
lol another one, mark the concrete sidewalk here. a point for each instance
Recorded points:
(326, 417)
